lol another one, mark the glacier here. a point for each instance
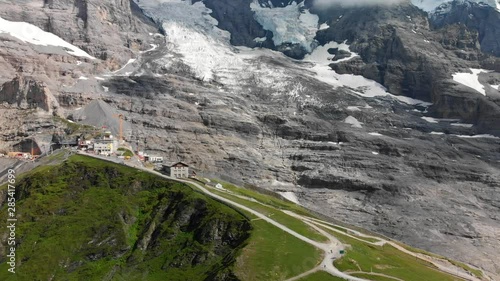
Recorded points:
(282, 22)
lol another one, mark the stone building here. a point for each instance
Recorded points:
(177, 170)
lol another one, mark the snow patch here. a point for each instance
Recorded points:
(320, 54)
(32, 34)
(353, 121)
(123, 67)
(484, 136)
(462, 125)
(496, 87)
(375, 153)
(375, 134)
(436, 133)
(471, 79)
(153, 47)
(259, 39)
(83, 78)
(430, 119)
(353, 108)
(430, 5)
(99, 78)
(290, 196)
(324, 26)
(359, 84)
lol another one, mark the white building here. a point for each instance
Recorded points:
(177, 170)
(106, 146)
(155, 159)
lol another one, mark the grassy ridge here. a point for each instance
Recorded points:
(88, 219)
(272, 254)
(385, 259)
(266, 199)
(293, 223)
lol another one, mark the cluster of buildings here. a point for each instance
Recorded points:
(149, 158)
(106, 145)
(19, 155)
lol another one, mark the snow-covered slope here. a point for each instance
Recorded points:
(194, 36)
(31, 34)
(471, 80)
(359, 84)
(430, 5)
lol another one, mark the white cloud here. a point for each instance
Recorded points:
(326, 3)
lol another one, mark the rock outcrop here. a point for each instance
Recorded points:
(28, 93)
(482, 19)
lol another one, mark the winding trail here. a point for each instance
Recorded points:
(331, 250)
(450, 269)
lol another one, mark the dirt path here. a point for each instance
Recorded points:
(376, 274)
(331, 250)
(450, 269)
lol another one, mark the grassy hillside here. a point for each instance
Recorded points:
(321, 276)
(362, 259)
(92, 220)
(272, 255)
(88, 219)
(385, 259)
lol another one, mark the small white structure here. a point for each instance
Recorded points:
(106, 146)
(177, 170)
(155, 159)
(215, 185)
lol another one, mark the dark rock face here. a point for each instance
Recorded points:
(277, 3)
(384, 39)
(482, 19)
(399, 49)
(237, 18)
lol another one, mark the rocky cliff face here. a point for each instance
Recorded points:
(27, 93)
(111, 32)
(476, 17)
(42, 77)
(401, 50)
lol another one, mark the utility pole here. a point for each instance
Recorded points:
(120, 116)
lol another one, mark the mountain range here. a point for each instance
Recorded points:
(384, 115)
